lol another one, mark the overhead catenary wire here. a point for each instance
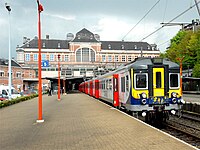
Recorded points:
(165, 9)
(141, 19)
(170, 21)
(197, 7)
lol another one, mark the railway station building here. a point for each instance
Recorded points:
(82, 55)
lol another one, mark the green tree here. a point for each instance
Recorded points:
(185, 44)
(196, 71)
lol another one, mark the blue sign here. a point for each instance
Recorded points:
(45, 63)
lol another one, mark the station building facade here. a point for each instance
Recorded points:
(22, 78)
(82, 55)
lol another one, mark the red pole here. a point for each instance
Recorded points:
(58, 77)
(181, 74)
(40, 9)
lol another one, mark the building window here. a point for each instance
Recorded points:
(43, 56)
(35, 57)
(122, 46)
(109, 46)
(60, 57)
(85, 55)
(109, 58)
(43, 45)
(123, 58)
(129, 58)
(66, 58)
(1, 73)
(58, 45)
(18, 74)
(116, 58)
(135, 47)
(51, 57)
(27, 57)
(103, 58)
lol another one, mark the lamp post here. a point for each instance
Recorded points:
(40, 9)
(9, 55)
(58, 77)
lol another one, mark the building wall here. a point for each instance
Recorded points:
(18, 75)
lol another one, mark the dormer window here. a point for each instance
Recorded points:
(58, 45)
(91, 37)
(135, 47)
(122, 46)
(43, 45)
(148, 47)
(79, 37)
(109, 46)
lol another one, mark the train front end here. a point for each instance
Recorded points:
(156, 89)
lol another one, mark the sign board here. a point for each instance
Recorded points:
(45, 63)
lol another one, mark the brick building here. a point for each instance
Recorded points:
(22, 77)
(81, 55)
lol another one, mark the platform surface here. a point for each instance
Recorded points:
(77, 122)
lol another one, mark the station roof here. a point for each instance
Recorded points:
(85, 35)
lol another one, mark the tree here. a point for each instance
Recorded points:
(185, 44)
(196, 71)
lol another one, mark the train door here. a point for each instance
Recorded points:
(115, 90)
(96, 88)
(158, 82)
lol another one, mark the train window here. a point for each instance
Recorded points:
(174, 80)
(158, 80)
(127, 86)
(141, 81)
(122, 84)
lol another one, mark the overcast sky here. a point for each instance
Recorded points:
(111, 19)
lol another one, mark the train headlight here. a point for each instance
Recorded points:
(143, 101)
(174, 100)
(144, 95)
(174, 94)
(182, 101)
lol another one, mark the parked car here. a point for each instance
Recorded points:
(3, 98)
(4, 90)
(28, 92)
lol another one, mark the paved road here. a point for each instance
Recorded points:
(77, 122)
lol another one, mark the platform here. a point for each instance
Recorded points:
(78, 122)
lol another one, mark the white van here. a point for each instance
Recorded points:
(4, 91)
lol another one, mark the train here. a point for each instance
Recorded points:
(146, 87)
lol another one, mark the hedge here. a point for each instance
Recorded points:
(17, 100)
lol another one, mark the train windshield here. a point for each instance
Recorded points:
(174, 80)
(141, 81)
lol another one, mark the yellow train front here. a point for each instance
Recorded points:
(155, 90)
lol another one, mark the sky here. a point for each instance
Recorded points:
(111, 19)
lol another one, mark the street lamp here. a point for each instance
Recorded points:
(40, 9)
(9, 55)
(58, 77)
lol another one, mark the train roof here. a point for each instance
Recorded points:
(142, 63)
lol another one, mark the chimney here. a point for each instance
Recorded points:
(24, 40)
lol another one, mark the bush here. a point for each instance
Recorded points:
(17, 100)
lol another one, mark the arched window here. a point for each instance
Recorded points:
(85, 55)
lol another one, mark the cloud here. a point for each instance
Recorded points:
(57, 16)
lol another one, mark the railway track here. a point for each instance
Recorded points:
(185, 127)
